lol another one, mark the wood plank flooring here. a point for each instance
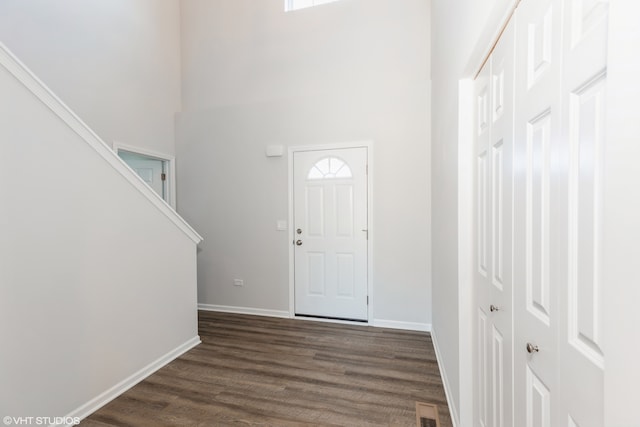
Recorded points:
(261, 371)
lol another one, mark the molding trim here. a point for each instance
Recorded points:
(455, 419)
(408, 326)
(16, 68)
(115, 391)
(244, 310)
(466, 290)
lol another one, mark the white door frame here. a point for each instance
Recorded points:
(335, 146)
(170, 161)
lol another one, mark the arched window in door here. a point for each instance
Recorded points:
(328, 168)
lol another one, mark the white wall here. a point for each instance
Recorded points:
(253, 75)
(96, 283)
(461, 32)
(116, 63)
(621, 214)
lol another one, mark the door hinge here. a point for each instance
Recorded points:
(367, 169)
(163, 176)
(367, 299)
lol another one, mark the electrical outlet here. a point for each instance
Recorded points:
(238, 282)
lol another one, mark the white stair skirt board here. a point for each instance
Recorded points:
(118, 389)
(408, 326)
(244, 310)
(453, 410)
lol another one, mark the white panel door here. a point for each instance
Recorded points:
(581, 355)
(539, 216)
(330, 233)
(482, 231)
(151, 170)
(493, 236)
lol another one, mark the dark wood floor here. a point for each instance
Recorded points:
(265, 371)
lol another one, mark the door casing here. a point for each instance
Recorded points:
(291, 231)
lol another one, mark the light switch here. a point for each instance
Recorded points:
(281, 225)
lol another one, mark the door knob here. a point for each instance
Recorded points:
(493, 308)
(299, 242)
(532, 348)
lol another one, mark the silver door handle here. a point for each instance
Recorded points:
(299, 242)
(493, 308)
(532, 348)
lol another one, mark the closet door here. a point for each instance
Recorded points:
(493, 236)
(584, 82)
(559, 122)
(539, 213)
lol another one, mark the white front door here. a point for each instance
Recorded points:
(151, 170)
(330, 233)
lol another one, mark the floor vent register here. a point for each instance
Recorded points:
(427, 415)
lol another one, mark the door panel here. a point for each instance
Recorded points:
(315, 210)
(482, 366)
(498, 226)
(344, 211)
(316, 280)
(537, 211)
(538, 174)
(501, 291)
(546, 252)
(482, 371)
(584, 81)
(499, 375)
(330, 211)
(538, 401)
(493, 235)
(560, 121)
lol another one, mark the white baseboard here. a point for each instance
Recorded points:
(455, 419)
(394, 324)
(244, 310)
(115, 391)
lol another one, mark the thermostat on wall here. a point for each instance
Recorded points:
(275, 150)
